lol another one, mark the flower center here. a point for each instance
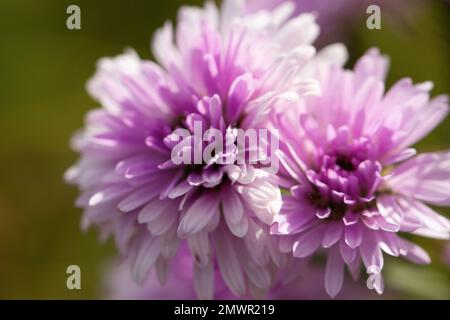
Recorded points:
(346, 179)
(345, 163)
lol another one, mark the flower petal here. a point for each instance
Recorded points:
(199, 214)
(334, 272)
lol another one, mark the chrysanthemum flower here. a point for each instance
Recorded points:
(224, 70)
(355, 182)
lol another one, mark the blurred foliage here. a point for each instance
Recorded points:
(44, 67)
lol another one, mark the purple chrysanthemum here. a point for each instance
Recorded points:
(225, 71)
(355, 182)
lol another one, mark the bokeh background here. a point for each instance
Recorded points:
(43, 71)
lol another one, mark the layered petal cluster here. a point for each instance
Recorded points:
(118, 284)
(354, 180)
(224, 70)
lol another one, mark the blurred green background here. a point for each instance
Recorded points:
(44, 67)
